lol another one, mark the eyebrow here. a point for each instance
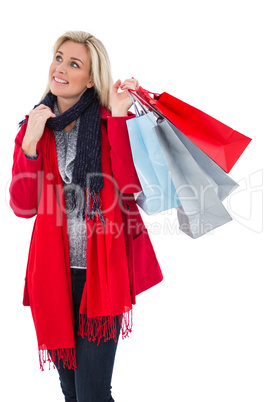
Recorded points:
(72, 58)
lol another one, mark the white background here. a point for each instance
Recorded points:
(202, 334)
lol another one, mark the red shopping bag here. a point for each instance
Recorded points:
(220, 142)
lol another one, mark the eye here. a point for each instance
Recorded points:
(74, 64)
(58, 58)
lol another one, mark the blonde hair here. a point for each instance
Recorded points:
(100, 68)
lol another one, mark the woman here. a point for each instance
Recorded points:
(90, 254)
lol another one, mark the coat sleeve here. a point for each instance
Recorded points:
(23, 188)
(122, 163)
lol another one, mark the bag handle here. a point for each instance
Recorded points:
(134, 104)
(143, 100)
(145, 112)
(145, 94)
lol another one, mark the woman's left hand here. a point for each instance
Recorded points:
(121, 101)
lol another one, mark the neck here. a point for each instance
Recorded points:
(66, 103)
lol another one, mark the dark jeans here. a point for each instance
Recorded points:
(91, 381)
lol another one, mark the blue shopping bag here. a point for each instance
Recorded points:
(158, 193)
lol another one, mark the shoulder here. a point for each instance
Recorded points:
(105, 113)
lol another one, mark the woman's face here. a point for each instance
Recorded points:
(69, 72)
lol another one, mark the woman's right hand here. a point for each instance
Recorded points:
(35, 128)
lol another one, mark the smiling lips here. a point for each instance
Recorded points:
(60, 81)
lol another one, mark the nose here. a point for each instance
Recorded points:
(61, 68)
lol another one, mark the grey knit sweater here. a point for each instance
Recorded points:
(77, 232)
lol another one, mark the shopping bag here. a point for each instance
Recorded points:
(221, 182)
(201, 209)
(158, 189)
(220, 142)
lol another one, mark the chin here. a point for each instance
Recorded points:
(53, 90)
(57, 92)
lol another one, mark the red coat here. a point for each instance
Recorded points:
(25, 189)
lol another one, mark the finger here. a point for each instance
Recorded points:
(39, 110)
(132, 79)
(137, 84)
(52, 114)
(49, 111)
(41, 113)
(41, 107)
(47, 114)
(116, 86)
(130, 84)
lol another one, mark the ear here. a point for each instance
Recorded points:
(90, 84)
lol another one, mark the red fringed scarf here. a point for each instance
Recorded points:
(48, 282)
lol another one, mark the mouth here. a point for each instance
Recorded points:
(60, 81)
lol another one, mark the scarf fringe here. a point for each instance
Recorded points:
(96, 328)
(95, 197)
(68, 357)
(126, 323)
